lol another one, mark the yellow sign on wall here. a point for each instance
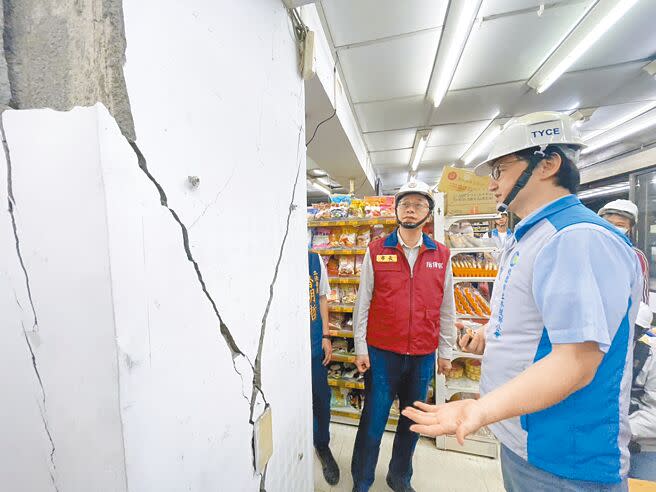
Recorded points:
(455, 179)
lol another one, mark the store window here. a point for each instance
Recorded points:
(643, 193)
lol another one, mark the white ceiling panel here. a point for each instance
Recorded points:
(398, 139)
(495, 7)
(604, 117)
(355, 21)
(410, 112)
(395, 68)
(633, 37)
(478, 104)
(638, 87)
(391, 158)
(444, 154)
(463, 133)
(500, 51)
(577, 89)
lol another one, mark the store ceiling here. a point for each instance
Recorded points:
(385, 51)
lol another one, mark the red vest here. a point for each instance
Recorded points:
(404, 315)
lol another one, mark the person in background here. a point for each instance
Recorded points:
(642, 412)
(502, 231)
(405, 311)
(321, 346)
(623, 214)
(557, 351)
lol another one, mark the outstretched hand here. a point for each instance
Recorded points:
(461, 418)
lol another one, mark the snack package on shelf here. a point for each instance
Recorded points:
(332, 267)
(340, 346)
(387, 206)
(311, 212)
(321, 238)
(379, 206)
(322, 211)
(335, 295)
(336, 321)
(334, 237)
(355, 399)
(339, 397)
(470, 328)
(348, 324)
(349, 294)
(346, 266)
(356, 209)
(339, 206)
(473, 369)
(377, 232)
(348, 237)
(363, 237)
(457, 370)
(358, 264)
(470, 301)
(459, 240)
(474, 265)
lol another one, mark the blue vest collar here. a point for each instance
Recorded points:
(554, 207)
(392, 241)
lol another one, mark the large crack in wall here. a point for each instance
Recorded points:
(59, 54)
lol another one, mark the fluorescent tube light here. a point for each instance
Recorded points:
(599, 19)
(421, 141)
(604, 190)
(483, 140)
(460, 18)
(611, 136)
(620, 121)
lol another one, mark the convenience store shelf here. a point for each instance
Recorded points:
(458, 251)
(340, 308)
(341, 333)
(342, 358)
(346, 383)
(460, 385)
(340, 251)
(473, 279)
(457, 354)
(344, 280)
(354, 222)
(449, 220)
(477, 444)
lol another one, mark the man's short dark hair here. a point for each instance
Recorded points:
(568, 175)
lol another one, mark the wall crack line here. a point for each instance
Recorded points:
(11, 205)
(235, 351)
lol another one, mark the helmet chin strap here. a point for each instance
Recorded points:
(522, 180)
(412, 225)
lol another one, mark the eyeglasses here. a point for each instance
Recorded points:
(414, 206)
(497, 169)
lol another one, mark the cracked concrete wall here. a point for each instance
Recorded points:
(188, 273)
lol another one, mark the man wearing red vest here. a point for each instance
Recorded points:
(405, 310)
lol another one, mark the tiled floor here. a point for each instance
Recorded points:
(434, 470)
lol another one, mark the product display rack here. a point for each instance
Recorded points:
(483, 442)
(346, 414)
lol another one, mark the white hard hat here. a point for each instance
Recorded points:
(418, 187)
(532, 130)
(625, 208)
(645, 316)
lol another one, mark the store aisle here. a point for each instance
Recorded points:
(435, 470)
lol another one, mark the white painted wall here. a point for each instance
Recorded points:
(141, 390)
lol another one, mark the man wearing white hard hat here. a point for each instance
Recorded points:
(623, 214)
(556, 373)
(404, 313)
(642, 412)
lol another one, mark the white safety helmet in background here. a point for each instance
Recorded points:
(625, 208)
(532, 130)
(415, 187)
(645, 316)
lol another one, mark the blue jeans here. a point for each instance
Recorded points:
(520, 476)
(643, 466)
(320, 394)
(390, 374)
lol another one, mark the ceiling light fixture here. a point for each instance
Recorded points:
(634, 126)
(596, 21)
(650, 68)
(482, 142)
(460, 17)
(604, 190)
(620, 121)
(421, 141)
